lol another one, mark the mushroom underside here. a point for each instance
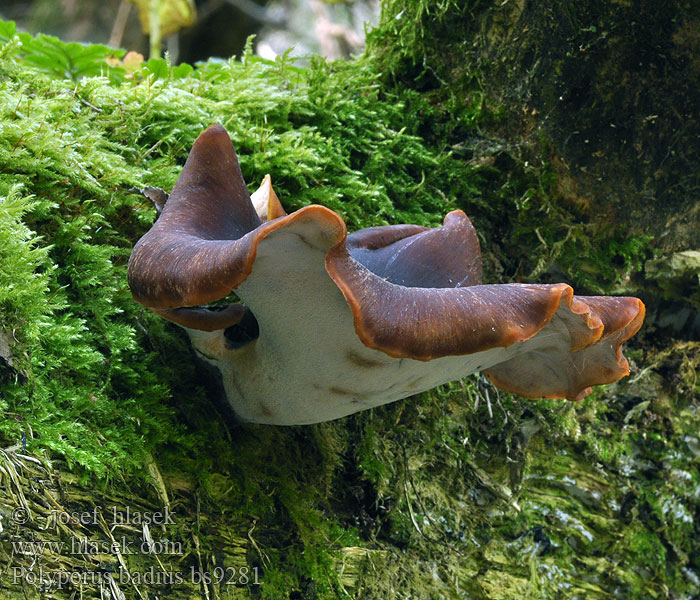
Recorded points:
(309, 364)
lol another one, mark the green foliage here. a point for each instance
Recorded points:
(7, 31)
(62, 296)
(552, 237)
(520, 500)
(408, 31)
(403, 49)
(51, 55)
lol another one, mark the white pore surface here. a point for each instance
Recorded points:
(308, 365)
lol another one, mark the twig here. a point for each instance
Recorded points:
(407, 474)
(199, 561)
(263, 556)
(122, 562)
(115, 38)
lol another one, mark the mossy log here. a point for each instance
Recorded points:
(596, 103)
(611, 88)
(462, 492)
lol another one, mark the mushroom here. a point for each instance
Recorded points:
(336, 323)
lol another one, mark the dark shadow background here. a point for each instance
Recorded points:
(335, 30)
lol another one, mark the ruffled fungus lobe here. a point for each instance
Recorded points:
(336, 323)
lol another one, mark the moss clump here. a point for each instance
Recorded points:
(70, 154)
(89, 376)
(533, 224)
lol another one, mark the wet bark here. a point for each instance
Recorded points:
(613, 87)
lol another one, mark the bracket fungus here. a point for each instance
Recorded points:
(336, 323)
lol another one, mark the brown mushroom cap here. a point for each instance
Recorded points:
(204, 319)
(348, 322)
(582, 349)
(204, 242)
(195, 252)
(414, 256)
(597, 327)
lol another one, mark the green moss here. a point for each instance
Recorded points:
(101, 382)
(327, 134)
(532, 227)
(462, 492)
